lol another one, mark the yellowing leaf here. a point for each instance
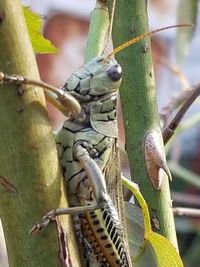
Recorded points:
(157, 251)
(39, 43)
(165, 253)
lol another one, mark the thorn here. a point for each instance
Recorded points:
(155, 159)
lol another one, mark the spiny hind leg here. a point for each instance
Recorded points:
(84, 193)
(93, 172)
(51, 215)
(94, 178)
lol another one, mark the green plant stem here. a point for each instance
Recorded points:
(139, 107)
(28, 156)
(99, 25)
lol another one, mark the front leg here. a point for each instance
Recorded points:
(62, 100)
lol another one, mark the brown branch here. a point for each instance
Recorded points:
(189, 212)
(168, 130)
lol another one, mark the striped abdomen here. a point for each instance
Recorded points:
(106, 233)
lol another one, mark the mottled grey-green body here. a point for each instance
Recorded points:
(66, 141)
(87, 149)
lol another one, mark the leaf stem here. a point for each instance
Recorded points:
(136, 192)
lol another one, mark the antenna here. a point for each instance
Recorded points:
(142, 36)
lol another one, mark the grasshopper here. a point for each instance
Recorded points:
(87, 150)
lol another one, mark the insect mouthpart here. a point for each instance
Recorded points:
(115, 72)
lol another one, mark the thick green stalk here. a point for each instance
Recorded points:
(28, 157)
(99, 25)
(138, 98)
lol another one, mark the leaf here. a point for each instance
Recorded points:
(158, 252)
(39, 43)
(135, 227)
(155, 249)
(165, 252)
(187, 13)
(146, 256)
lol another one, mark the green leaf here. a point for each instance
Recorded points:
(155, 249)
(187, 13)
(165, 252)
(158, 252)
(39, 43)
(146, 257)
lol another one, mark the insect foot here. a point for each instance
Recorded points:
(155, 158)
(49, 217)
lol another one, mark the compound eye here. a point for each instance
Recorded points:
(115, 72)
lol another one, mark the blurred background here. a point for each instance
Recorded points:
(66, 24)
